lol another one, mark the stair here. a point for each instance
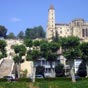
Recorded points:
(6, 67)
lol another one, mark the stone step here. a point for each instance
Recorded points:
(5, 67)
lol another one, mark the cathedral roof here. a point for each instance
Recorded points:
(51, 7)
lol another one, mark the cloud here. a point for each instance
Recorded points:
(15, 19)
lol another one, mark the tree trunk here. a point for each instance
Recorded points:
(87, 70)
(34, 73)
(34, 70)
(72, 74)
(52, 70)
(18, 70)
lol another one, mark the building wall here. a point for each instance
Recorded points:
(27, 65)
(63, 30)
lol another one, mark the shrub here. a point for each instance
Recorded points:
(24, 80)
(3, 80)
(59, 69)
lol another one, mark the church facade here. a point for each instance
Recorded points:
(77, 27)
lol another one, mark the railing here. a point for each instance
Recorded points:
(11, 68)
(1, 61)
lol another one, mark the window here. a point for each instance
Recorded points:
(48, 70)
(86, 32)
(43, 62)
(67, 30)
(83, 32)
(60, 31)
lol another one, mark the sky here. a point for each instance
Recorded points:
(17, 15)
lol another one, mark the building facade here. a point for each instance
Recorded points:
(46, 64)
(77, 27)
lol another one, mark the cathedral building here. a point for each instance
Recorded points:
(77, 27)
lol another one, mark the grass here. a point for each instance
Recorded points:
(46, 84)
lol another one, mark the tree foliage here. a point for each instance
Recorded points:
(36, 32)
(28, 42)
(69, 42)
(40, 70)
(36, 43)
(21, 35)
(33, 55)
(59, 69)
(3, 31)
(2, 49)
(11, 36)
(84, 49)
(20, 49)
(17, 59)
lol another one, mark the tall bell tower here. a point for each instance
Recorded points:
(50, 32)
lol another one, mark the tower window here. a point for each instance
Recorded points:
(86, 32)
(83, 32)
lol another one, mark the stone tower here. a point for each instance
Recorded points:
(50, 32)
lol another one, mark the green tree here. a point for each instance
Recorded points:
(28, 42)
(33, 55)
(3, 31)
(36, 43)
(11, 36)
(40, 70)
(36, 32)
(20, 51)
(71, 51)
(2, 49)
(20, 35)
(59, 69)
(84, 49)
(49, 52)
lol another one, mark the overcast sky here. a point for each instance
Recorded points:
(17, 15)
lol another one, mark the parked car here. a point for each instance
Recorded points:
(9, 78)
(39, 76)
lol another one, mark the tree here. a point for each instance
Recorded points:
(2, 49)
(49, 52)
(20, 35)
(40, 70)
(28, 42)
(36, 43)
(36, 32)
(33, 55)
(11, 36)
(3, 31)
(59, 69)
(84, 49)
(20, 51)
(71, 51)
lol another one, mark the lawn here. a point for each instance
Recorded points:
(46, 84)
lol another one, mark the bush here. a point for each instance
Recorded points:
(82, 69)
(3, 80)
(82, 73)
(40, 70)
(59, 69)
(24, 80)
(54, 79)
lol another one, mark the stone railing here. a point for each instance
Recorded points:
(11, 68)
(1, 61)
